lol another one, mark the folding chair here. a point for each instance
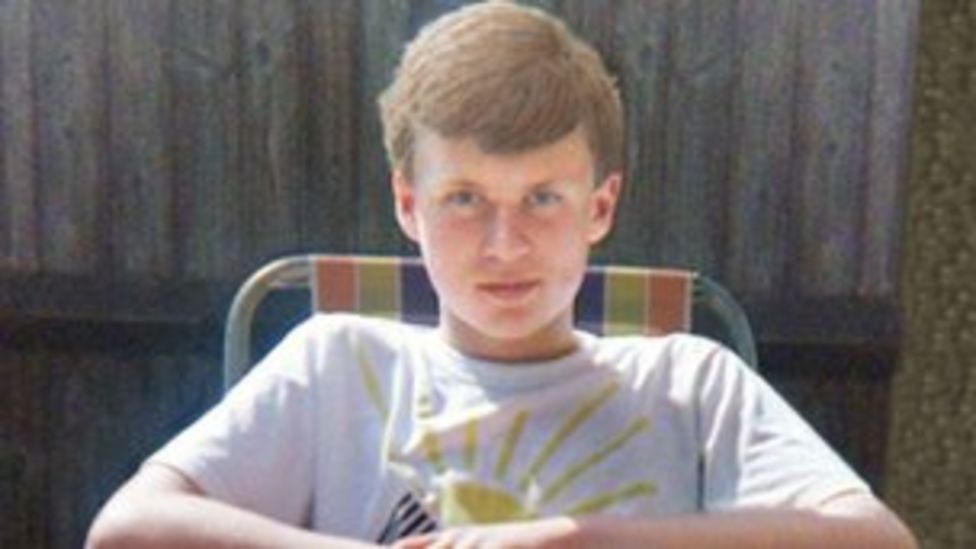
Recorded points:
(613, 300)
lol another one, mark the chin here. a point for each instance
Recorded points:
(515, 327)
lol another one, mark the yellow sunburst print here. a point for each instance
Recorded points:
(512, 491)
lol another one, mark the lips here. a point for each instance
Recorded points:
(509, 292)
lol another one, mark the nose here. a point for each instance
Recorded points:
(505, 239)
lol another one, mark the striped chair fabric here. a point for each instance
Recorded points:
(612, 300)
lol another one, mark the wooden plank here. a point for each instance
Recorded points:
(824, 320)
(642, 68)
(203, 131)
(272, 161)
(382, 37)
(113, 411)
(29, 297)
(24, 467)
(329, 90)
(843, 392)
(690, 207)
(759, 192)
(139, 174)
(111, 336)
(894, 43)
(68, 443)
(835, 63)
(69, 114)
(18, 205)
(234, 129)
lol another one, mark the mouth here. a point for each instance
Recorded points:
(509, 292)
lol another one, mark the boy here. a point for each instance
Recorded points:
(502, 427)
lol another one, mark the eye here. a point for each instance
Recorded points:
(543, 197)
(462, 198)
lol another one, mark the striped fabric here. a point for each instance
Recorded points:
(391, 287)
(612, 300)
(628, 300)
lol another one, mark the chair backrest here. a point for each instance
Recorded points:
(613, 300)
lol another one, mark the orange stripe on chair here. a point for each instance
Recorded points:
(335, 288)
(669, 299)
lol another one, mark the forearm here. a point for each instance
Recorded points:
(190, 521)
(754, 529)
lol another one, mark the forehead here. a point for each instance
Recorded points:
(443, 160)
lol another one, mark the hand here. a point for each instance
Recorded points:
(556, 532)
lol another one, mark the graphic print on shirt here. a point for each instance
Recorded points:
(407, 519)
(517, 491)
(465, 480)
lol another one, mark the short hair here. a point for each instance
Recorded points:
(512, 77)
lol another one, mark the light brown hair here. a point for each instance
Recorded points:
(512, 77)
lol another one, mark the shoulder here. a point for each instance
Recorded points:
(681, 363)
(328, 344)
(685, 352)
(344, 330)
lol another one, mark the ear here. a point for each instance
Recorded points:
(405, 202)
(603, 207)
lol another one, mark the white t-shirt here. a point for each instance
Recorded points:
(374, 429)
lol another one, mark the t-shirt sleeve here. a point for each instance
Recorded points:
(757, 450)
(254, 449)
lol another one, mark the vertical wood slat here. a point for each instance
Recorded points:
(202, 73)
(234, 125)
(327, 211)
(69, 113)
(139, 173)
(893, 44)
(23, 456)
(832, 101)
(271, 167)
(698, 129)
(759, 198)
(18, 215)
(106, 418)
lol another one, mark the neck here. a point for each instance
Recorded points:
(549, 343)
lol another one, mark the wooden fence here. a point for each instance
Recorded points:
(152, 152)
(193, 140)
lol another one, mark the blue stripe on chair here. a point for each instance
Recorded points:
(419, 302)
(588, 309)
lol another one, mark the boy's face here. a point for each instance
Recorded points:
(505, 239)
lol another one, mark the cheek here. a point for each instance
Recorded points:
(434, 223)
(566, 230)
(446, 244)
(447, 233)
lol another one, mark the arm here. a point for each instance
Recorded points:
(855, 521)
(161, 508)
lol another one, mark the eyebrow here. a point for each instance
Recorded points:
(550, 183)
(468, 184)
